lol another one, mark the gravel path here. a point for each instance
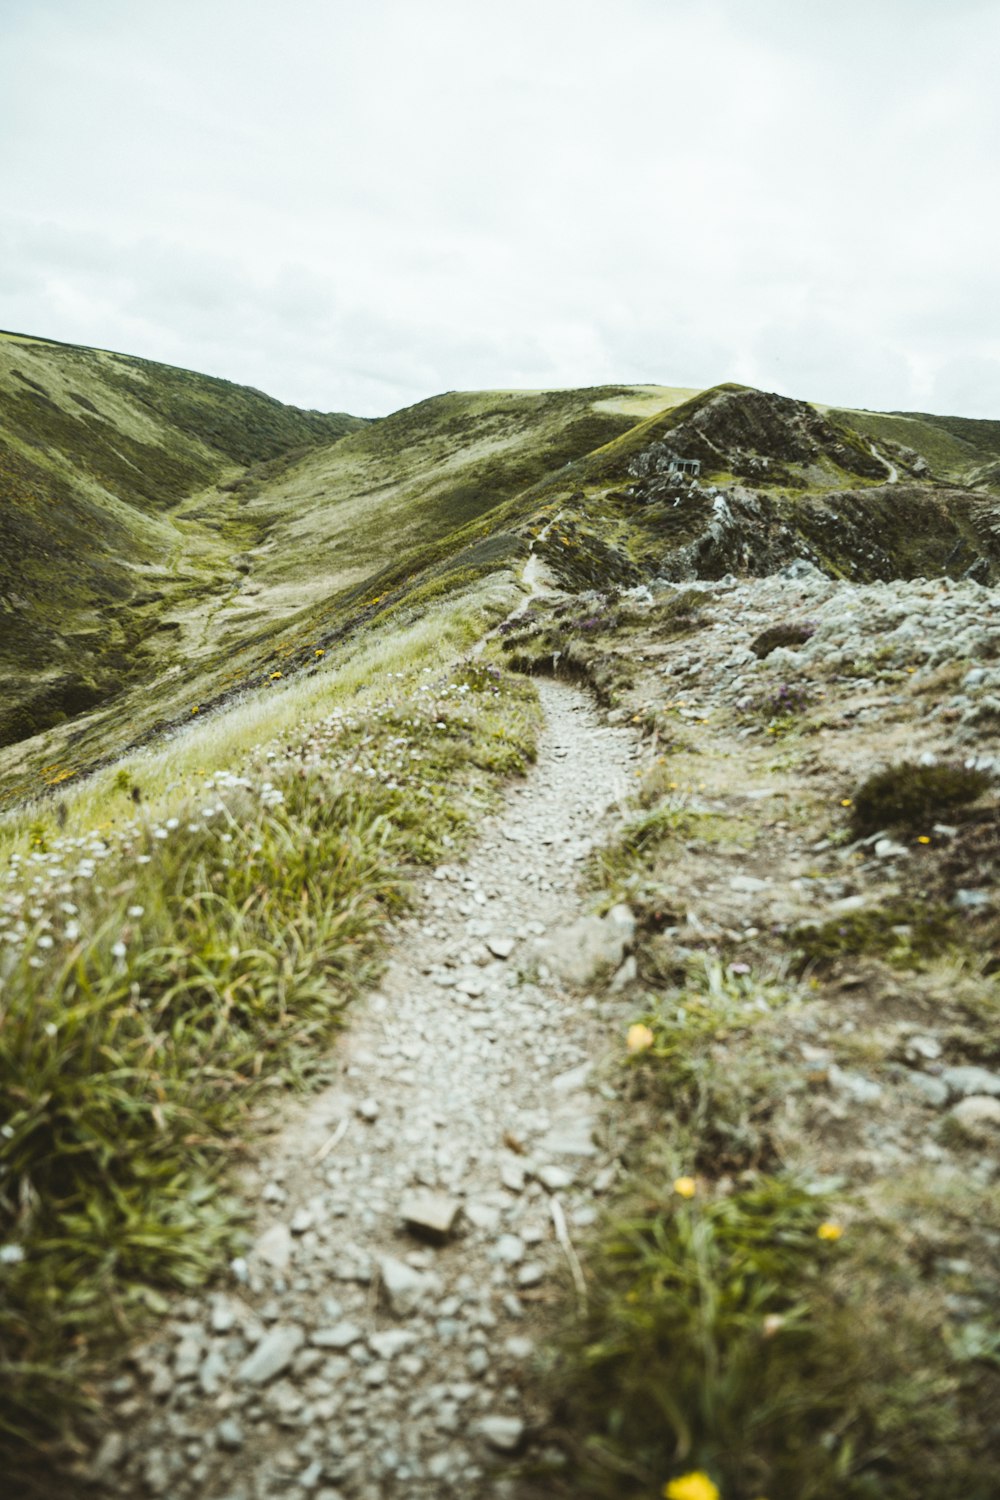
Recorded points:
(353, 1354)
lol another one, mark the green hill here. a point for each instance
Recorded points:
(171, 539)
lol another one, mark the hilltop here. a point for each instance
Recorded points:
(497, 943)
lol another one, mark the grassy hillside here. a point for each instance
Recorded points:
(176, 540)
(100, 455)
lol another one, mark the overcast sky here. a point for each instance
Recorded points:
(354, 204)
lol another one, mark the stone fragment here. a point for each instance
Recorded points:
(404, 1287)
(926, 1047)
(531, 1274)
(368, 1110)
(483, 1215)
(963, 1081)
(339, 1336)
(500, 947)
(224, 1315)
(509, 1249)
(554, 1179)
(571, 1137)
(212, 1373)
(187, 1358)
(390, 1342)
(302, 1220)
(934, 1090)
(978, 1117)
(855, 1085)
(505, 1434)
(229, 1434)
(108, 1456)
(156, 1472)
(273, 1354)
(590, 946)
(430, 1214)
(519, 1347)
(573, 1079)
(275, 1247)
(747, 885)
(512, 1174)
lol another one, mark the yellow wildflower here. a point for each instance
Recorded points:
(923, 839)
(693, 1486)
(828, 1230)
(845, 801)
(639, 1038)
(686, 1187)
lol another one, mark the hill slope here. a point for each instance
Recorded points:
(172, 539)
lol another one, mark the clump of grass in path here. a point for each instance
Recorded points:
(910, 795)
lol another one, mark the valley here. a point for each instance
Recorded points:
(497, 943)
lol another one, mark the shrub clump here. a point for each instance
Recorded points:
(787, 634)
(907, 794)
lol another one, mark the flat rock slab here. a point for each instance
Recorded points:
(273, 1354)
(431, 1215)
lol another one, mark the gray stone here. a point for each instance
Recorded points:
(531, 1274)
(554, 1179)
(390, 1342)
(509, 1249)
(368, 1110)
(302, 1220)
(273, 1354)
(225, 1314)
(519, 1347)
(340, 1336)
(212, 1372)
(187, 1358)
(889, 849)
(512, 1174)
(483, 1215)
(855, 1085)
(589, 947)
(404, 1287)
(978, 1117)
(108, 1456)
(156, 1472)
(275, 1247)
(505, 1434)
(572, 1137)
(927, 1047)
(500, 947)
(747, 885)
(934, 1090)
(429, 1213)
(229, 1434)
(573, 1079)
(963, 1081)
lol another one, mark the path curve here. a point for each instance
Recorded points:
(347, 1357)
(891, 470)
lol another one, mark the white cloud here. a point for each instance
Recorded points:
(354, 207)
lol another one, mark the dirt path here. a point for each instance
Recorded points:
(347, 1356)
(892, 473)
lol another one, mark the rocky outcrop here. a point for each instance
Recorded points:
(757, 434)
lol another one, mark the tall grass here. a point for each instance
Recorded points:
(155, 983)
